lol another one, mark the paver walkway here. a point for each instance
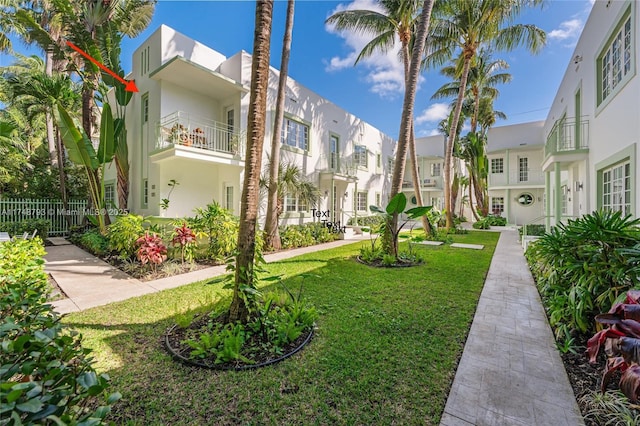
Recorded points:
(88, 281)
(510, 372)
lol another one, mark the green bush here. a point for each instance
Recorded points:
(487, 222)
(292, 236)
(123, 233)
(220, 226)
(371, 221)
(94, 242)
(481, 224)
(533, 230)
(582, 267)
(41, 226)
(46, 375)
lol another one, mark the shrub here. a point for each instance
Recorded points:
(496, 220)
(481, 224)
(221, 229)
(293, 236)
(533, 230)
(371, 221)
(184, 238)
(123, 233)
(581, 268)
(321, 233)
(41, 226)
(151, 250)
(46, 375)
(94, 242)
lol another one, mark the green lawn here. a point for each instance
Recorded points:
(385, 350)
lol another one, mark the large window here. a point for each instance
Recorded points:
(360, 156)
(615, 61)
(523, 169)
(295, 204)
(616, 188)
(497, 205)
(497, 165)
(361, 201)
(295, 134)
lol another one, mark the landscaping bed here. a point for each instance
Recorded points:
(385, 349)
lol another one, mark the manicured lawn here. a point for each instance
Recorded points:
(385, 350)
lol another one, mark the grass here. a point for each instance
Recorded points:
(386, 348)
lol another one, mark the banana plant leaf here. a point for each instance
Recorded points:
(108, 145)
(78, 144)
(593, 344)
(620, 311)
(397, 204)
(613, 365)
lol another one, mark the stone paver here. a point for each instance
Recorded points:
(429, 243)
(88, 281)
(510, 372)
(468, 246)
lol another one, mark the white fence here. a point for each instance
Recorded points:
(18, 210)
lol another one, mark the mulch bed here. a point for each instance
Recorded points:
(260, 353)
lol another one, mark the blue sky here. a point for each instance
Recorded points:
(322, 59)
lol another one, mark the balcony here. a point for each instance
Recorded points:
(337, 168)
(568, 136)
(183, 130)
(426, 183)
(516, 178)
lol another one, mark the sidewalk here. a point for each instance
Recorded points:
(88, 281)
(510, 372)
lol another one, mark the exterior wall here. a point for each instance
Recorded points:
(613, 125)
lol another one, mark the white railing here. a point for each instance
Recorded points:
(529, 177)
(19, 210)
(425, 183)
(337, 165)
(182, 128)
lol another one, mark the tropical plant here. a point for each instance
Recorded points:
(398, 18)
(244, 273)
(151, 250)
(460, 28)
(220, 227)
(184, 238)
(274, 204)
(94, 242)
(609, 408)
(123, 233)
(47, 375)
(581, 267)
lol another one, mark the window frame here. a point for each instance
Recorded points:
(624, 157)
(495, 162)
(436, 169)
(494, 203)
(287, 126)
(358, 200)
(361, 152)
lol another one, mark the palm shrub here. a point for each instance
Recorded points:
(123, 234)
(581, 267)
(46, 376)
(221, 228)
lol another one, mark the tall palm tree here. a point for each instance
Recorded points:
(271, 231)
(461, 27)
(398, 18)
(244, 274)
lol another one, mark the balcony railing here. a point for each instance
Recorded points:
(181, 128)
(524, 177)
(339, 166)
(425, 183)
(567, 135)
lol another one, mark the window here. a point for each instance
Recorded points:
(497, 205)
(295, 134)
(145, 108)
(228, 200)
(144, 61)
(334, 146)
(145, 192)
(525, 199)
(523, 169)
(361, 201)
(616, 188)
(378, 199)
(436, 169)
(110, 194)
(295, 204)
(360, 156)
(378, 161)
(614, 63)
(563, 202)
(497, 165)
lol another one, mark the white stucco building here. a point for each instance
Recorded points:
(188, 123)
(593, 127)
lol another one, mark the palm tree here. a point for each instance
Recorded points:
(272, 233)
(291, 182)
(397, 18)
(244, 274)
(464, 26)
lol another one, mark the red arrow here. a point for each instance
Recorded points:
(129, 86)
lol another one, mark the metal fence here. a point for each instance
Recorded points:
(18, 210)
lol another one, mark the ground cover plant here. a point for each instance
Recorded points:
(385, 349)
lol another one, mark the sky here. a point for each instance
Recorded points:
(322, 59)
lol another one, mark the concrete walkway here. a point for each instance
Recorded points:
(88, 281)
(510, 372)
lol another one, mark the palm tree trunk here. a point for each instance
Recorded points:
(272, 233)
(51, 138)
(238, 311)
(448, 155)
(62, 177)
(473, 210)
(406, 120)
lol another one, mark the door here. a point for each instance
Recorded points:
(230, 121)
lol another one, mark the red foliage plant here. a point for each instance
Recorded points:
(183, 236)
(151, 250)
(621, 341)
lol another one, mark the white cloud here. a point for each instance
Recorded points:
(384, 71)
(568, 30)
(435, 112)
